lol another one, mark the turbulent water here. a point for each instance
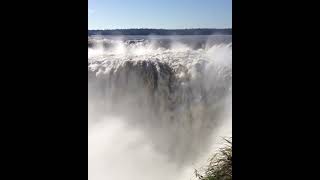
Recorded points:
(157, 104)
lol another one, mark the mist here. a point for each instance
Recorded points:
(157, 107)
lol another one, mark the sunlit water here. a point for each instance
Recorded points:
(158, 106)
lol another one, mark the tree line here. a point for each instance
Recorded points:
(199, 31)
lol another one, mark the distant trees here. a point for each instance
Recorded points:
(198, 31)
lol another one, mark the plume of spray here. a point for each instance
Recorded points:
(155, 106)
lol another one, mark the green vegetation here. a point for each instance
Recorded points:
(199, 31)
(220, 165)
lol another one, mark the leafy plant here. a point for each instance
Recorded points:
(220, 165)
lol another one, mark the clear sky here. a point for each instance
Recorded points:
(169, 14)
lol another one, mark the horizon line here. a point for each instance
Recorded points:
(155, 28)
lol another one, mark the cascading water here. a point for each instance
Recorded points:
(155, 105)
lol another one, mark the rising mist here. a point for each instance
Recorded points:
(157, 106)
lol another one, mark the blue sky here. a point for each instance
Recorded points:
(169, 14)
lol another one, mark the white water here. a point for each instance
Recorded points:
(156, 112)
